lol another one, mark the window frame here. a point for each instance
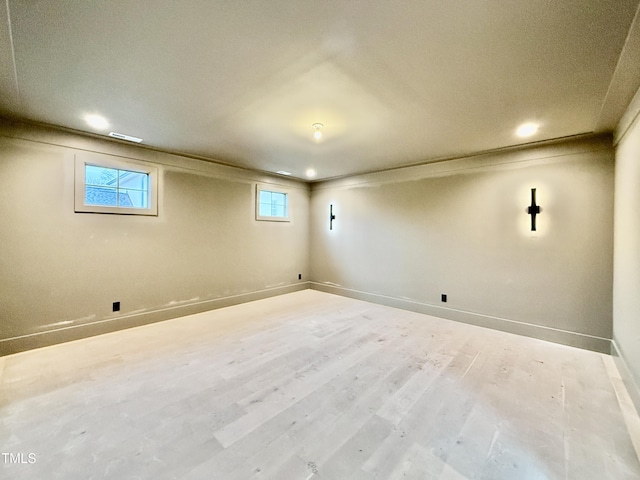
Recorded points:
(272, 189)
(105, 161)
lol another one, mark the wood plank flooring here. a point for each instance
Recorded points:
(313, 386)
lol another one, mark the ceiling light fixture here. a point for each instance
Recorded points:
(527, 129)
(311, 173)
(317, 127)
(96, 121)
(282, 172)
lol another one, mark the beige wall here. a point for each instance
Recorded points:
(626, 286)
(460, 227)
(401, 237)
(60, 269)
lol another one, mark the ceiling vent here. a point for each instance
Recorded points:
(121, 136)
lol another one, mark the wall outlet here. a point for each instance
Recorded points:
(299, 276)
(443, 297)
(116, 306)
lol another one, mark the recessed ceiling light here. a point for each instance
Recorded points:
(96, 121)
(282, 172)
(311, 173)
(122, 136)
(317, 127)
(527, 129)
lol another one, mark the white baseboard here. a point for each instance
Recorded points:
(627, 377)
(22, 343)
(564, 337)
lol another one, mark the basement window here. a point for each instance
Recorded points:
(272, 204)
(105, 184)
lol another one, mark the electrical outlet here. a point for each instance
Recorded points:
(299, 276)
(116, 306)
(443, 297)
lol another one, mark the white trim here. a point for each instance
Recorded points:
(625, 373)
(518, 156)
(268, 188)
(541, 332)
(629, 117)
(77, 141)
(82, 159)
(21, 343)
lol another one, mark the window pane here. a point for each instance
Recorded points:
(112, 187)
(100, 176)
(100, 196)
(272, 205)
(133, 180)
(278, 211)
(124, 200)
(279, 198)
(133, 198)
(115, 187)
(265, 210)
(265, 197)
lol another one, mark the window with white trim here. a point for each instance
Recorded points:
(105, 184)
(272, 204)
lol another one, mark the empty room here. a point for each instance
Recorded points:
(303, 240)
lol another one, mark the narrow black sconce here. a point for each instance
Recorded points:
(332, 217)
(533, 209)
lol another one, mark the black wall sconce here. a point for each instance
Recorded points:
(332, 217)
(533, 209)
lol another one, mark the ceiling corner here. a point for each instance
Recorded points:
(625, 81)
(8, 72)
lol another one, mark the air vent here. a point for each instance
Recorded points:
(122, 136)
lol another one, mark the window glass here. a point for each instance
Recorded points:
(272, 205)
(115, 186)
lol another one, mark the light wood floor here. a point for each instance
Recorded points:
(313, 386)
